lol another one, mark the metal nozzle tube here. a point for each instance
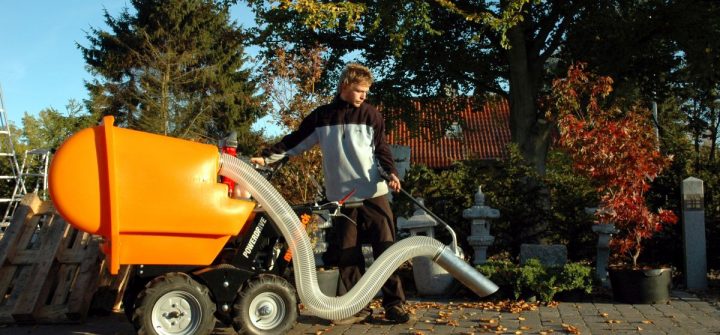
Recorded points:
(465, 273)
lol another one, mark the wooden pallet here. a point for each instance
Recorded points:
(48, 270)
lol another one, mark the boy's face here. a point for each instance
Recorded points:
(355, 93)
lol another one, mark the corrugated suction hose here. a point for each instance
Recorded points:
(334, 308)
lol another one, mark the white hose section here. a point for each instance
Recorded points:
(318, 304)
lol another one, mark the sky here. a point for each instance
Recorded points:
(40, 64)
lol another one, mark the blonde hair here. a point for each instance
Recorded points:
(355, 73)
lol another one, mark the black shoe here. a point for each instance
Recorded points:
(397, 314)
(362, 316)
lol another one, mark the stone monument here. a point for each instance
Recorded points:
(693, 227)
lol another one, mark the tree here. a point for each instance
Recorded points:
(663, 56)
(440, 48)
(50, 128)
(617, 149)
(289, 83)
(173, 67)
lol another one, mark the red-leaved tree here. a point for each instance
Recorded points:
(617, 148)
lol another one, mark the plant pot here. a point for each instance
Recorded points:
(430, 278)
(641, 286)
(328, 281)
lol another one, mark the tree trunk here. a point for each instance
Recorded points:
(713, 135)
(528, 129)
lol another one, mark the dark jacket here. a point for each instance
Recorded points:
(352, 140)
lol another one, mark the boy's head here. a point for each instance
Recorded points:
(354, 84)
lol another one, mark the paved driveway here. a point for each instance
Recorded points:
(685, 314)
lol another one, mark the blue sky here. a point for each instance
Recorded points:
(40, 65)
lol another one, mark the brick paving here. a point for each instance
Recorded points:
(685, 314)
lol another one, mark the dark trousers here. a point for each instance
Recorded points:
(374, 225)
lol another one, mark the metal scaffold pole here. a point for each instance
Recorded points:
(10, 172)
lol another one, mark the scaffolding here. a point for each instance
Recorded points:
(11, 175)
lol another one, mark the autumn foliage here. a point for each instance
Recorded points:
(615, 147)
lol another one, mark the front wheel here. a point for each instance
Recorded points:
(266, 305)
(174, 304)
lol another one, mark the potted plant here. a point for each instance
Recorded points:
(618, 149)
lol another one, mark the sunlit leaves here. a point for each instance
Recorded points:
(618, 148)
(509, 17)
(327, 15)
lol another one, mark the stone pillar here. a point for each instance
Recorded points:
(430, 278)
(602, 257)
(604, 231)
(480, 238)
(693, 221)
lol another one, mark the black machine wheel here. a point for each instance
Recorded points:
(174, 304)
(266, 305)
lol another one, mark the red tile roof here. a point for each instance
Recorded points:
(485, 134)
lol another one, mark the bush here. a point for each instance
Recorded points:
(534, 279)
(513, 187)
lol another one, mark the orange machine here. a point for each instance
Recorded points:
(155, 199)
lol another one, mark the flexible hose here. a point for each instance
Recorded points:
(318, 304)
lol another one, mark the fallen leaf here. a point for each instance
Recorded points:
(570, 329)
(647, 322)
(604, 315)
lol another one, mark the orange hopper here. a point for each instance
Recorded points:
(155, 199)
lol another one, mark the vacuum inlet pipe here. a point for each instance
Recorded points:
(334, 308)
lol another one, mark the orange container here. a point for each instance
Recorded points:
(155, 199)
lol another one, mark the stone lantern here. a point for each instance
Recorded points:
(480, 216)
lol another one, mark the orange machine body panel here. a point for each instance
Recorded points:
(155, 199)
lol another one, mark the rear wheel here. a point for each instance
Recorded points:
(266, 305)
(174, 304)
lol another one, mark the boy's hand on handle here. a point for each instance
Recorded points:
(394, 183)
(392, 180)
(258, 160)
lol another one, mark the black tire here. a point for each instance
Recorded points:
(266, 305)
(174, 304)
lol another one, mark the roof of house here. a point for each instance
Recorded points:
(485, 133)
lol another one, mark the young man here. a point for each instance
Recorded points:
(351, 135)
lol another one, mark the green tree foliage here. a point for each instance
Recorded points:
(439, 49)
(173, 67)
(50, 128)
(442, 48)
